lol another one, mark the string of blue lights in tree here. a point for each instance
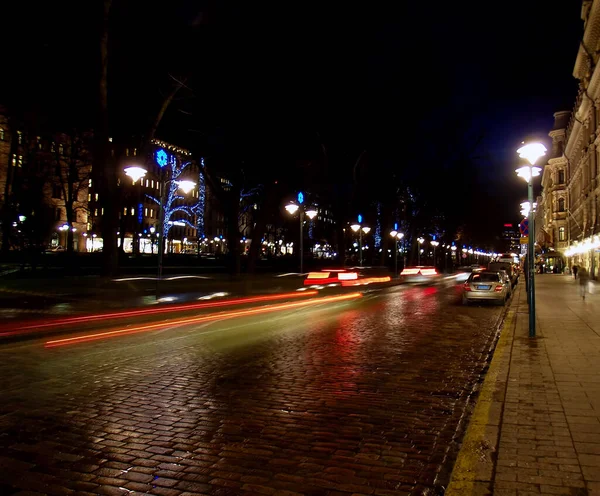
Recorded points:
(377, 235)
(199, 206)
(172, 205)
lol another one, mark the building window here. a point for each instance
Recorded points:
(124, 210)
(132, 211)
(134, 152)
(19, 137)
(561, 177)
(1, 134)
(127, 152)
(146, 212)
(153, 183)
(89, 197)
(561, 233)
(39, 142)
(152, 213)
(102, 211)
(95, 212)
(96, 197)
(20, 161)
(147, 182)
(89, 183)
(61, 149)
(561, 204)
(56, 192)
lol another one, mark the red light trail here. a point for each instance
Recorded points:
(195, 320)
(149, 311)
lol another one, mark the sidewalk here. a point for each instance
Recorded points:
(535, 428)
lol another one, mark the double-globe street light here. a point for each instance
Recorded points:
(360, 229)
(435, 244)
(531, 152)
(136, 173)
(420, 241)
(310, 212)
(397, 237)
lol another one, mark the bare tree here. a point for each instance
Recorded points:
(70, 170)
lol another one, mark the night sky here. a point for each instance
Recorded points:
(416, 86)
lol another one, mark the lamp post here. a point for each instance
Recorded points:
(136, 172)
(435, 244)
(360, 229)
(397, 237)
(310, 212)
(531, 152)
(420, 241)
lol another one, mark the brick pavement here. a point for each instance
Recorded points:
(536, 425)
(362, 398)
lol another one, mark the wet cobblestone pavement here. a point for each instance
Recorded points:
(363, 397)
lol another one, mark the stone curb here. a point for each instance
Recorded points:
(473, 471)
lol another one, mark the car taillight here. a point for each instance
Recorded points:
(499, 288)
(467, 287)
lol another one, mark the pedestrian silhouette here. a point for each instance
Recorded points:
(583, 281)
(575, 270)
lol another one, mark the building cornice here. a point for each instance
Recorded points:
(591, 37)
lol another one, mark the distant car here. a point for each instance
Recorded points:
(486, 286)
(56, 249)
(419, 274)
(464, 271)
(510, 268)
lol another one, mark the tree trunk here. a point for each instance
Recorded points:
(233, 233)
(105, 165)
(70, 218)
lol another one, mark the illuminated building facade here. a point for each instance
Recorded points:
(580, 191)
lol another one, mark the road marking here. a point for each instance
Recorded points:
(473, 469)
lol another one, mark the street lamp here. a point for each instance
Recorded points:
(435, 244)
(135, 173)
(531, 152)
(310, 212)
(397, 237)
(360, 229)
(420, 241)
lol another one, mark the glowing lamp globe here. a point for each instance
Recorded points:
(311, 213)
(135, 173)
(366, 230)
(186, 186)
(400, 235)
(393, 234)
(355, 227)
(532, 152)
(292, 208)
(528, 172)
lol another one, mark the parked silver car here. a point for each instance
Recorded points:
(486, 286)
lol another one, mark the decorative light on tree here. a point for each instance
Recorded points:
(377, 235)
(198, 207)
(173, 183)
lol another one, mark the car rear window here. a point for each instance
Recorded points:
(485, 277)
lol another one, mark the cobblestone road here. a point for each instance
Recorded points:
(363, 397)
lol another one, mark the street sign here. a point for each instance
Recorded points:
(524, 227)
(300, 198)
(524, 240)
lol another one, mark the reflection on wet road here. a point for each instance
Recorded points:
(361, 396)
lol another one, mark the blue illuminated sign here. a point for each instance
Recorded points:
(300, 198)
(395, 226)
(161, 157)
(140, 213)
(359, 218)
